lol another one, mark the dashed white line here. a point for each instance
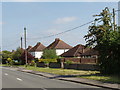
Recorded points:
(19, 79)
(6, 74)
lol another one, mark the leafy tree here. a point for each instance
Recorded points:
(99, 28)
(5, 55)
(49, 54)
(107, 41)
(17, 54)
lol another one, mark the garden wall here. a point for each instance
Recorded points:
(71, 66)
(81, 60)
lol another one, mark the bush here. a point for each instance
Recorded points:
(68, 62)
(32, 63)
(10, 61)
(47, 61)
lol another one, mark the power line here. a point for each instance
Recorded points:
(64, 31)
(61, 32)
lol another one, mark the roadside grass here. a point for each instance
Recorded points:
(109, 79)
(4, 65)
(60, 71)
(93, 75)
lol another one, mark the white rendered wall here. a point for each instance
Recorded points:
(61, 51)
(37, 54)
(32, 53)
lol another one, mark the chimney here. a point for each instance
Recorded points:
(57, 39)
(29, 46)
(38, 43)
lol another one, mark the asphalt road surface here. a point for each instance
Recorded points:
(12, 78)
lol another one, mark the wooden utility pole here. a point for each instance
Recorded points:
(21, 43)
(113, 19)
(25, 46)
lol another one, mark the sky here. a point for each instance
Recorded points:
(47, 18)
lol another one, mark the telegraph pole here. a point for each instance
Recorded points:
(21, 42)
(113, 19)
(25, 46)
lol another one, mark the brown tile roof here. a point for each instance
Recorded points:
(59, 44)
(37, 47)
(29, 48)
(90, 52)
(74, 52)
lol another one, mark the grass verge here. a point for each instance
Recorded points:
(60, 71)
(93, 75)
(107, 79)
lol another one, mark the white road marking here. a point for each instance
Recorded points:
(19, 79)
(6, 74)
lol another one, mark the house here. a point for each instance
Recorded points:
(74, 52)
(60, 46)
(91, 53)
(29, 48)
(37, 50)
(29, 57)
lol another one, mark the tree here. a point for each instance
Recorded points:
(29, 58)
(5, 55)
(49, 54)
(17, 54)
(107, 41)
(99, 28)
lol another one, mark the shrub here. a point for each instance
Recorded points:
(47, 61)
(68, 62)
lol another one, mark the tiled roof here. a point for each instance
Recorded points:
(90, 52)
(37, 47)
(74, 52)
(29, 48)
(59, 44)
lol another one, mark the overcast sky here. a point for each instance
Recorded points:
(47, 18)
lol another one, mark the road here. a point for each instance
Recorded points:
(12, 78)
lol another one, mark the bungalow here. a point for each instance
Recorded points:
(29, 57)
(29, 48)
(91, 53)
(74, 52)
(37, 50)
(60, 46)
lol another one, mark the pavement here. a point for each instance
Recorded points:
(74, 79)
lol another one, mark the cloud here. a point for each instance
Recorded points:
(65, 20)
